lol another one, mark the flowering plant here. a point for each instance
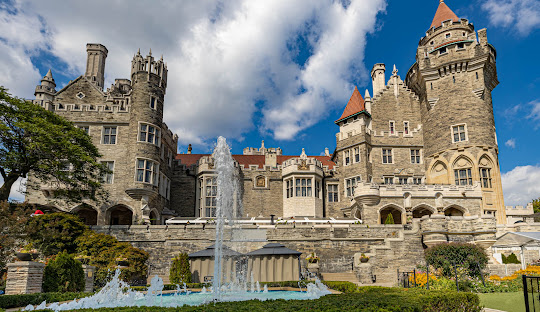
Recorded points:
(312, 258)
(28, 249)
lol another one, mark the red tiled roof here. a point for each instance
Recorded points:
(247, 160)
(355, 105)
(443, 13)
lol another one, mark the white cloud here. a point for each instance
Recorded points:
(524, 15)
(511, 143)
(227, 60)
(521, 185)
(535, 111)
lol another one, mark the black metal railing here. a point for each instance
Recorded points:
(531, 286)
(404, 279)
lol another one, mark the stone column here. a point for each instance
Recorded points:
(24, 277)
(89, 272)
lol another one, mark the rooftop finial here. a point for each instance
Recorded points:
(262, 144)
(150, 53)
(394, 72)
(139, 51)
(189, 149)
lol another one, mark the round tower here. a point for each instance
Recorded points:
(454, 75)
(45, 91)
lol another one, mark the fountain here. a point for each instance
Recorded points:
(117, 293)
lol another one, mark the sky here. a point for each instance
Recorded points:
(278, 71)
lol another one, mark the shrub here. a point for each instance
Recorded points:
(511, 259)
(443, 256)
(15, 301)
(180, 271)
(63, 274)
(389, 219)
(104, 249)
(55, 232)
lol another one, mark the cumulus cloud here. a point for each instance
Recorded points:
(534, 114)
(233, 65)
(521, 185)
(511, 143)
(524, 15)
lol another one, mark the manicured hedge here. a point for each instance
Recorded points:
(15, 301)
(367, 299)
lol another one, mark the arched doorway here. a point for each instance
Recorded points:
(87, 214)
(453, 212)
(396, 214)
(421, 211)
(154, 218)
(120, 215)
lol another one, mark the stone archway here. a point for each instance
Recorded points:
(154, 217)
(120, 215)
(87, 214)
(453, 211)
(396, 214)
(420, 211)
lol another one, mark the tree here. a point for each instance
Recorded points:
(63, 274)
(536, 205)
(445, 256)
(13, 220)
(37, 141)
(180, 271)
(389, 219)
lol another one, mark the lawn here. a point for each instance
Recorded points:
(511, 302)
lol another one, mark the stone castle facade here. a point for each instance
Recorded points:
(422, 146)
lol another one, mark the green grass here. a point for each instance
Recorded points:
(511, 302)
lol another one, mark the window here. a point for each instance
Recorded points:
(85, 128)
(402, 180)
(317, 189)
(153, 102)
(476, 75)
(357, 154)
(392, 128)
(107, 178)
(147, 171)
(417, 180)
(431, 85)
(406, 127)
(350, 184)
(369, 154)
(289, 188)
(460, 46)
(463, 176)
(387, 156)
(388, 180)
(485, 177)
(333, 193)
(415, 156)
(169, 157)
(442, 50)
(210, 196)
(149, 133)
(303, 187)
(448, 35)
(454, 79)
(431, 43)
(459, 133)
(109, 135)
(347, 157)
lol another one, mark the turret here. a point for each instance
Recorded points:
(45, 91)
(95, 63)
(377, 78)
(152, 70)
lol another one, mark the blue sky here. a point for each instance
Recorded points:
(277, 71)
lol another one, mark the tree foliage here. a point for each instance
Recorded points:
(536, 205)
(13, 221)
(103, 251)
(180, 271)
(54, 232)
(445, 256)
(389, 219)
(39, 142)
(511, 259)
(63, 274)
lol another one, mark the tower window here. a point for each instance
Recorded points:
(387, 156)
(303, 187)
(392, 128)
(357, 154)
(289, 185)
(463, 176)
(485, 177)
(317, 189)
(415, 156)
(109, 135)
(448, 35)
(476, 75)
(107, 178)
(442, 50)
(406, 127)
(459, 133)
(454, 79)
(149, 133)
(431, 43)
(347, 158)
(147, 171)
(431, 85)
(333, 193)
(463, 34)
(350, 184)
(211, 196)
(460, 45)
(153, 102)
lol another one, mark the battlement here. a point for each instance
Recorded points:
(149, 65)
(519, 210)
(262, 150)
(449, 24)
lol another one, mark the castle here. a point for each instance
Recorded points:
(422, 150)
(419, 146)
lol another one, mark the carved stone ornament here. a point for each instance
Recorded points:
(261, 182)
(303, 165)
(440, 167)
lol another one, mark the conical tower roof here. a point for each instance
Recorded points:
(355, 105)
(443, 13)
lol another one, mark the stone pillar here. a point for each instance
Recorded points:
(24, 277)
(89, 272)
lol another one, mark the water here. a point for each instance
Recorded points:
(229, 207)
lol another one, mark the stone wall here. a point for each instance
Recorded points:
(24, 277)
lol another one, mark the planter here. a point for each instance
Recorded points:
(364, 260)
(24, 256)
(313, 266)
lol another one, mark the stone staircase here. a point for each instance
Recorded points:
(348, 276)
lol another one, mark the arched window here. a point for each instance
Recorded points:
(463, 171)
(394, 211)
(484, 168)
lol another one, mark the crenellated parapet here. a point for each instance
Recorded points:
(438, 229)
